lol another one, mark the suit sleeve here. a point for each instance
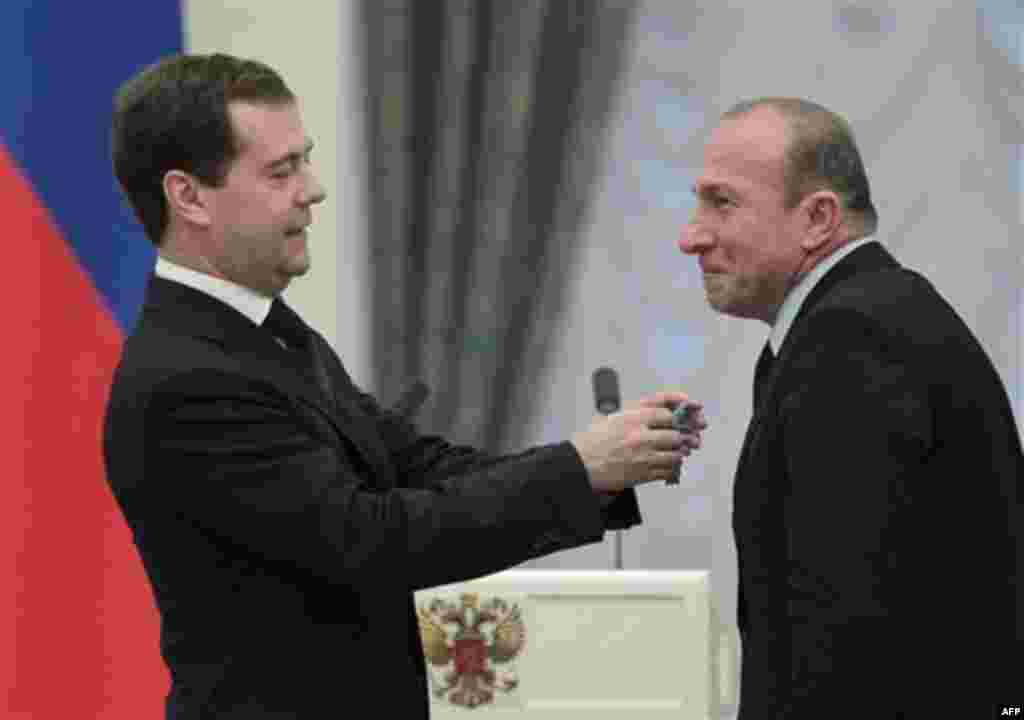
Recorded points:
(856, 425)
(249, 472)
(431, 462)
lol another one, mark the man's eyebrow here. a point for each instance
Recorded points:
(710, 189)
(292, 156)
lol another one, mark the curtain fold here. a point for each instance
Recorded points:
(486, 128)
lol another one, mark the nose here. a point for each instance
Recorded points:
(693, 239)
(312, 192)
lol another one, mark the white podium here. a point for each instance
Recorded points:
(547, 644)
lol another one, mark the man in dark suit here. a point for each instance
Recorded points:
(283, 517)
(877, 500)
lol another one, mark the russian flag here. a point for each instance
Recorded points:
(78, 626)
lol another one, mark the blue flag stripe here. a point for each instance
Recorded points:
(63, 62)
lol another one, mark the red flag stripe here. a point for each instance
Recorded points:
(78, 609)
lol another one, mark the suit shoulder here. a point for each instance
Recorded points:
(897, 314)
(879, 291)
(156, 360)
(898, 301)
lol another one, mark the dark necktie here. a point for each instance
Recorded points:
(290, 331)
(285, 325)
(762, 372)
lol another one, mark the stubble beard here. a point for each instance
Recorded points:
(728, 295)
(720, 291)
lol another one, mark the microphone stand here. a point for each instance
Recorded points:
(608, 401)
(608, 409)
(617, 550)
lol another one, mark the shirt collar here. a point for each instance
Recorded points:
(245, 300)
(795, 298)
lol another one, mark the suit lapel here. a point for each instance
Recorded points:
(354, 427)
(359, 428)
(870, 257)
(187, 311)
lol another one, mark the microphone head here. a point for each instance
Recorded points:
(606, 391)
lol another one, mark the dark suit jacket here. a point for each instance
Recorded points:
(877, 511)
(284, 528)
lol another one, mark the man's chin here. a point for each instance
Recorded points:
(284, 275)
(718, 300)
(296, 267)
(723, 298)
(727, 305)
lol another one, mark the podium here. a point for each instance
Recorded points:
(547, 644)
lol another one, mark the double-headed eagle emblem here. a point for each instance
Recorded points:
(469, 647)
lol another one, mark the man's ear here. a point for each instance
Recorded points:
(823, 214)
(185, 198)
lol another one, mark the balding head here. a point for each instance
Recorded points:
(820, 154)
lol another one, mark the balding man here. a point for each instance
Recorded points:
(877, 501)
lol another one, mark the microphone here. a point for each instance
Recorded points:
(606, 391)
(411, 400)
(608, 401)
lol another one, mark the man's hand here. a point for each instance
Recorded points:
(669, 399)
(673, 400)
(637, 445)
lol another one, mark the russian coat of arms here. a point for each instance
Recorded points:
(470, 647)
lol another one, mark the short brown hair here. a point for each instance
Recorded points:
(174, 116)
(821, 153)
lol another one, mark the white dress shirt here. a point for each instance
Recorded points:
(245, 300)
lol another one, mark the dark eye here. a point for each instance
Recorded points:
(293, 165)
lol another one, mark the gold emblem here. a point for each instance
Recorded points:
(470, 647)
